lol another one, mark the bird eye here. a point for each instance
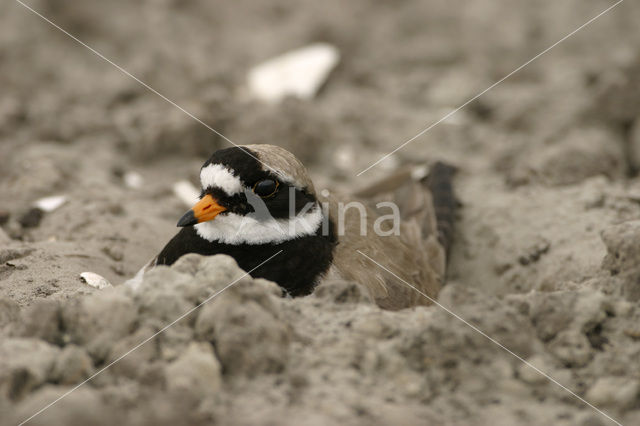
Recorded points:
(266, 188)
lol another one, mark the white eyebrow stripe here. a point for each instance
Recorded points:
(217, 175)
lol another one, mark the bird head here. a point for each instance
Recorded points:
(254, 194)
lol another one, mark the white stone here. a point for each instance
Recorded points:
(420, 172)
(49, 204)
(345, 157)
(186, 192)
(95, 280)
(133, 180)
(299, 73)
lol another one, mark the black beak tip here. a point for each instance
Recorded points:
(187, 219)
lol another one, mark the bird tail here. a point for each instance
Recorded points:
(440, 183)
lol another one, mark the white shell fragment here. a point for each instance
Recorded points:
(186, 192)
(95, 280)
(419, 172)
(133, 180)
(49, 204)
(299, 73)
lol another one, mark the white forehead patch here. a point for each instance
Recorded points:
(217, 175)
(236, 229)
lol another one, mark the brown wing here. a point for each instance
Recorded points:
(415, 255)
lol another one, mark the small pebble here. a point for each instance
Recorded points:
(133, 180)
(49, 204)
(95, 280)
(299, 73)
(186, 192)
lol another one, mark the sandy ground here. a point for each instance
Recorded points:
(545, 257)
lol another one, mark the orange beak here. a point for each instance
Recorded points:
(205, 209)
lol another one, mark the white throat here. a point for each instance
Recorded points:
(236, 229)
